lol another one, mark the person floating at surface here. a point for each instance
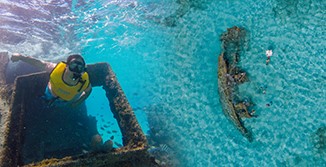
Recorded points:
(69, 82)
(269, 54)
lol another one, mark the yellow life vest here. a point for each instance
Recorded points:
(63, 90)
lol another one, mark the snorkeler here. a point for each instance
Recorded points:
(269, 54)
(69, 82)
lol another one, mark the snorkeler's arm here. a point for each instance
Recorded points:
(42, 65)
(83, 96)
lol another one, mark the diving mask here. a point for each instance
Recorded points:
(77, 66)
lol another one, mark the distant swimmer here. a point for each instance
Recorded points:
(269, 54)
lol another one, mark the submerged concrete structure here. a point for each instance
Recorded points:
(33, 134)
(230, 76)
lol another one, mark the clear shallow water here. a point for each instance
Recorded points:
(169, 73)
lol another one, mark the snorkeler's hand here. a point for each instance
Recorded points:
(16, 57)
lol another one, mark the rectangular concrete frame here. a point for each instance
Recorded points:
(134, 150)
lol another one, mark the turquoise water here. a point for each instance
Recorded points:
(165, 56)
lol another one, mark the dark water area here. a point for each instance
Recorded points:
(56, 132)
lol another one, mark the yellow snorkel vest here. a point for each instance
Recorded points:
(61, 89)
